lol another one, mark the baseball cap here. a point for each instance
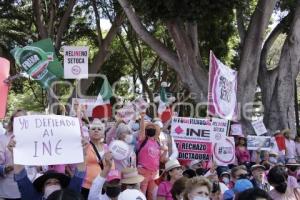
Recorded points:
(113, 175)
(242, 185)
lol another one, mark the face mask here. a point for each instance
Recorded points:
(273, 160)
(129, 139)
(50, 189)
(135, 126)
(200, 198)
(113, 192)
(150, 132)
(226, 180)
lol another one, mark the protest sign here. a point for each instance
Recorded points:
(120, 150)
(89, 105)
(259, 127)
(76, 60)
(140, 104)
(222, 90)
(47, 140)
(39, 61)
(258, 142)
(236, 129)
(218, 129)
(126, 113)
(4, 74)
(192, 137)
(224, 152)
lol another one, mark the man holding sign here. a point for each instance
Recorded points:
(51, 181)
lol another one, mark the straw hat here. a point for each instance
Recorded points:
(171, 164)
(292, 162)
(131, 176)
(257, 166)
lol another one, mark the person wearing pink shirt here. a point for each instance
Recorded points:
(174, 172)
(149, 154)
(241, 152)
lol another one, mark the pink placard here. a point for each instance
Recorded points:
(4, 74)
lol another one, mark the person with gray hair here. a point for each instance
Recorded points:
(124, 133)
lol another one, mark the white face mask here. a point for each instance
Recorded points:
(200, 198)
(129, 139)
(226, 180)
(50, 189)
(273, 160)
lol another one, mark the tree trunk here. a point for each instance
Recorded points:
(249, 64)
(279, 99)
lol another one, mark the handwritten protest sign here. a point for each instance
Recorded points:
(258, 142)
(4, 74)
(218, 129)
(224, 152)
(47, 140)
(76, 60)
(192, 137)
(259, 127)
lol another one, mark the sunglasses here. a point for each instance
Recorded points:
(96, 128)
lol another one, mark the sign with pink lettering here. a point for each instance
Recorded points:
(47, 140)
(192, 137)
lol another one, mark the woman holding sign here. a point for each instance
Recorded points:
(8, 187)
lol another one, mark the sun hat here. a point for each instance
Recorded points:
(131, 176)
(40, 181)
(257, 166)
(131, 194)
(292, 162)
(242, 185)
(113, 175)
(171, 164)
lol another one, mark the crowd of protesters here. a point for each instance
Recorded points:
(152, 170)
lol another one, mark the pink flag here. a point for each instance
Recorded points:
(222, 90)
(4, 74)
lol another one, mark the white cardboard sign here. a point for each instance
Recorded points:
(218, 129)
(259, 127)
(76, 60)
(47, 140)
(224, 152)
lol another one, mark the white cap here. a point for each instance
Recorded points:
(131, 194)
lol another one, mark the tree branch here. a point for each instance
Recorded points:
(165, 54)
(240, 25)
(99, 31)
(64, 23)
(52, 14)
(40, 23)
(103, 52)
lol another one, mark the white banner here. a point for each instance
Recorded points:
(47, 140)
(192, 137)
(224, 152)
(259, 127)
(258, 142)
(218, 129)
(222, 90)
(76, 61)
